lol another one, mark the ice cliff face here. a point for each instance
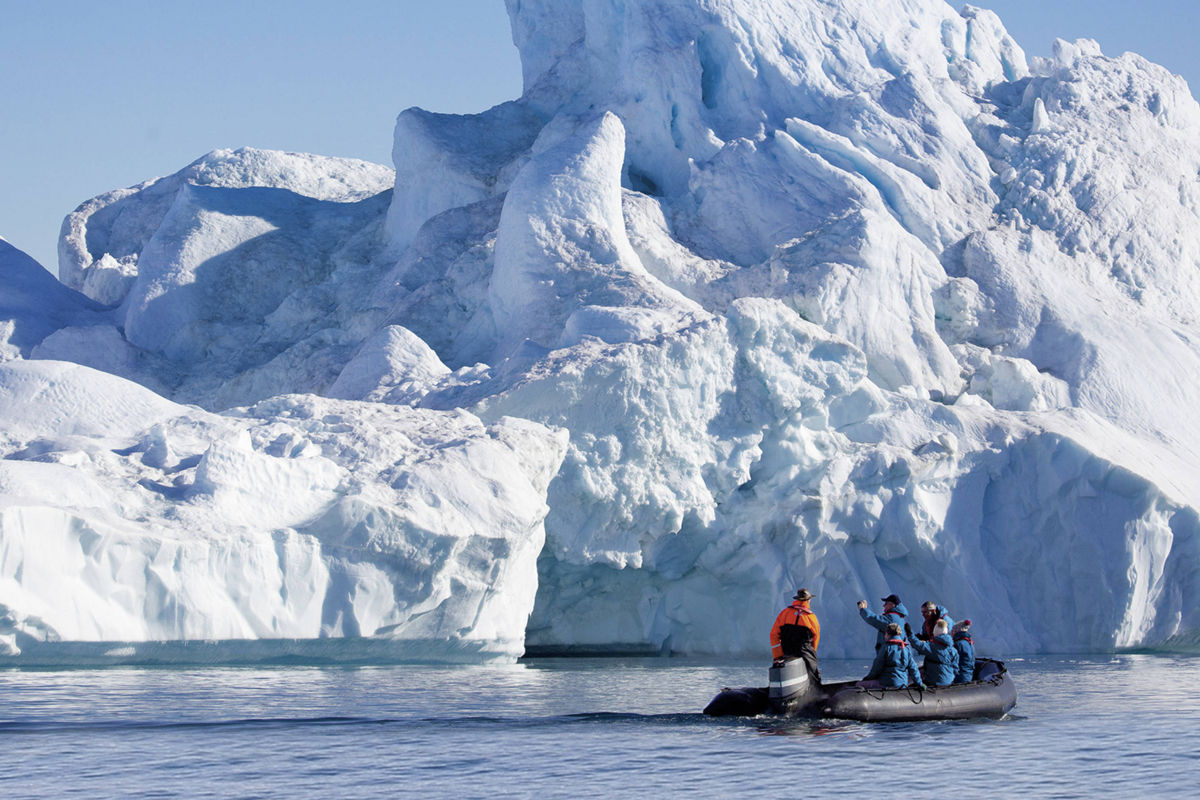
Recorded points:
(738, 296)
(127, 517)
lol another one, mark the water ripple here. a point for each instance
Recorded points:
(564, 728)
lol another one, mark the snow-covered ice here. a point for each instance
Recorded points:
(128, 517)
(738, 296)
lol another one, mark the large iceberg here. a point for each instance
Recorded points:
(738, 296)
(126, 517)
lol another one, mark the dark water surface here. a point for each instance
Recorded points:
(1121, 726)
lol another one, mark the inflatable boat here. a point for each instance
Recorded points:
(792, 692)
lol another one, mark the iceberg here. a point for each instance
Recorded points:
(128, 517)
(736, 297)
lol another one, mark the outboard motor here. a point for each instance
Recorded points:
(790, 686)
(791, 689)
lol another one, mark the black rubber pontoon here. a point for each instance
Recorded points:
(790, 692)
(793, 693)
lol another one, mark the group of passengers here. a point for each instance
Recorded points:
(947, 646)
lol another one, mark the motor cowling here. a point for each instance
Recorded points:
(790, 686)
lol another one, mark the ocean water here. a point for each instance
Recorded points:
(1113, 726)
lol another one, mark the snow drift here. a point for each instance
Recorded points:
(737, 297)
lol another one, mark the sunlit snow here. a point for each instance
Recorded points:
(739, 296)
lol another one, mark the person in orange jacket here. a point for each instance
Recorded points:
(797, 633)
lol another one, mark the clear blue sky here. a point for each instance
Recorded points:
(103, 94)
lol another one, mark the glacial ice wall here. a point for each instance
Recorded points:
(128, 517)
(738, 296)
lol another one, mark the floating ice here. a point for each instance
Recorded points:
(127, 517)
(738, 296)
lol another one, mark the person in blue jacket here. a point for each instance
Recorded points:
(894, 664)
(932, 612)
(941, 659)
(894, 612)
(965, 646)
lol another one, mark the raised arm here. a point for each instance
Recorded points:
(876, 621)
(922, 647)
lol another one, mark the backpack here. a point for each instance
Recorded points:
(794, 639)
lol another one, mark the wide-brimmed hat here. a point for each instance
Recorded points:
(803, 594)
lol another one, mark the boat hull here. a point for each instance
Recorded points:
(791, 693)
(992, 695)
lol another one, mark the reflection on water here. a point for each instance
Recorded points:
(563, 727)
(783, 727)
